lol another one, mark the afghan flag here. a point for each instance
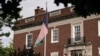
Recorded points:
(43, 31)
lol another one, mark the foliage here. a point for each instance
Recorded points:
(6, 51)
(82, 7)
(10, 51)
(5, 34)
(25, 52)
(9, 10)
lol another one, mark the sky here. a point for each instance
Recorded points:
(6, 40)
(28, 7)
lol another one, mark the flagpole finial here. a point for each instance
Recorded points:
(46, 3)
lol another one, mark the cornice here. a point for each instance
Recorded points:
(33, 24)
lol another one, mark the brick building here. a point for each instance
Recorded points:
(68, 34)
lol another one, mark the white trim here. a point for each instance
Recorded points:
(29, 19)
(58, 23)
(98, 27)
(54, 54)
(98, 50)
(52, 35)
(55, 13)
(72, 29)
(27, 39)
(86, 50)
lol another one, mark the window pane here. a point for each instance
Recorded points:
(29, 36)
(77, 33)
(55, 34)
(29, 43)
(29, 40)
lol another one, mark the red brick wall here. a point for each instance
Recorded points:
(19, 40)
(64, 34)
(91, 34)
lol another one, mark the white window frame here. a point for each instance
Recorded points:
(52, 35)
(27, 40)
(98, 51)
(54, 53)
(98, 27)
(73, 29)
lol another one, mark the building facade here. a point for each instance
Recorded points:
(68, 34)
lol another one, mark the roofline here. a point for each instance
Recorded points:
(49, 21)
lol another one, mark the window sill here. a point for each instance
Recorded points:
(28, 47)
(54, 41)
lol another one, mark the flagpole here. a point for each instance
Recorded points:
(45, 36)
(45, 46)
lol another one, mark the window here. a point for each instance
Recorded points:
(77, 32)
(76, 53)
(28, 41)
(99, 28)
(54, 53)
(54, 35)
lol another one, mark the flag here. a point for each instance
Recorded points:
(43, 31)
